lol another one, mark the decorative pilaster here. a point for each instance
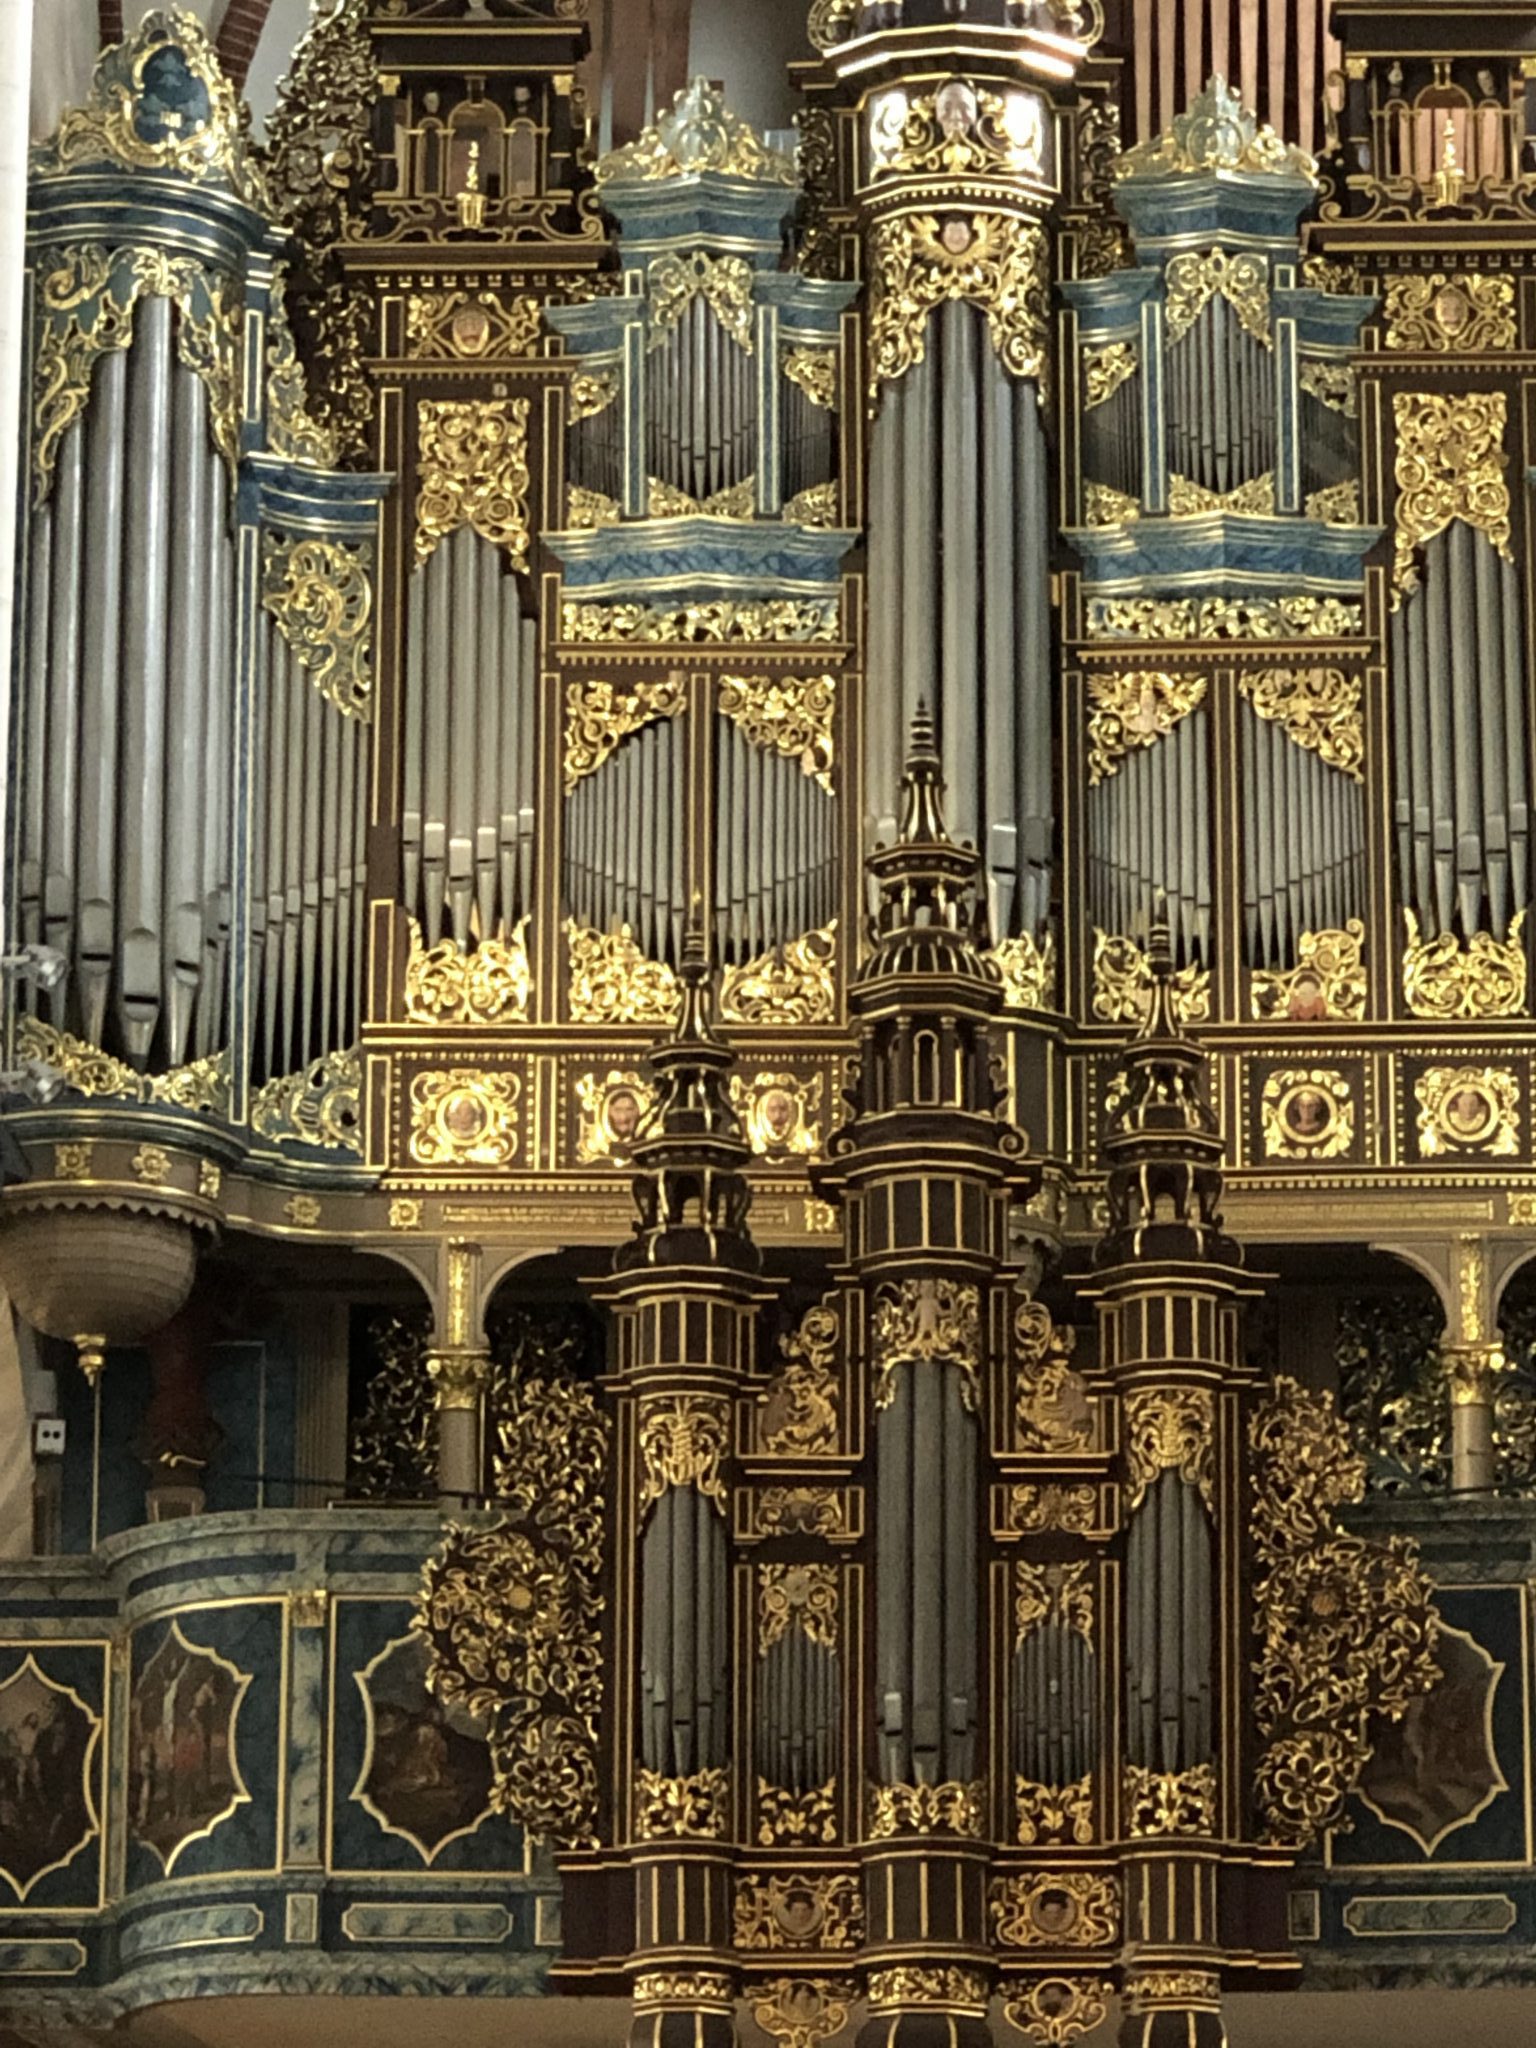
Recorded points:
(459, 1366)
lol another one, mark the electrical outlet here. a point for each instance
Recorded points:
(48, 1436)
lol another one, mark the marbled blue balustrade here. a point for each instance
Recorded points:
(220, 1771)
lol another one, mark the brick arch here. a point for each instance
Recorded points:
(239, 33)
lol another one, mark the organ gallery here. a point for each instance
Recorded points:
(766, 1135)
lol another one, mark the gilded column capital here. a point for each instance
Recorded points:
(460, 1375)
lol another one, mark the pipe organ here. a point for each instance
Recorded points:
(869, 751)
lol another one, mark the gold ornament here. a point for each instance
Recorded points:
(1074, 1509)
(1053, 2012)
(670, 501)
(959, 130)
(799, 1406)
(1103, 505)
(471, 324)
(805, 1595)
(1189, 500)
(1345, 1627)
(151, 1163)
(673, 282)
(814, 371)
(1224, 618)
(1053, 1813)
(928, 1321)
(1193, 279)
(1335, 504)
(1146, 1989)
(1216, 132)
(798, 1910)
(1307, 1113)
(203, 1084)
(321, 594)
(1059, 1593)
(698, 133)
(1122, 984)
(1332, 384)
(995, 261)
(1170, 1429)
(320, 1105)
(472, 458)
(1442, 315)
(785, 619)
(1056, 1909)
(1319, 709)
(592, 392)
(612, 982)
(790, 715)
(817, 505)
(799, 1511)
(598, 715)
(210, 1178)
(694, 1808)
(1105, 368)
(464, 1116)
(1051, 1409)
(1328, 980)
(803, 2012)
(792, 984)
(660, 1988)
(1134, 709)
(460, 1377)
(588, 511)
(795, 1817)
(683, 1439)
(405, 1213)
(613, 1109)
(491, 985)
(1444, 979)
(951, 1808)
(779, 1113)
(1170, 1802)
(1028, 968)
(303, 1210)
(1450, 464)
(1468, 1109)
(943, 1989)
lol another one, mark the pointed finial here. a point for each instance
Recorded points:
(696, 1016)
(922, 782)
(1162, 1018)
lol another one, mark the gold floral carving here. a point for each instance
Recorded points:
(1051, 1410)
(1122, 984)
(1103, 505)
(803, 1596)
(674, 281)
(1328, 979)
(1059, 1593)
(942, 1988)
(1188, 500)
(321, 594)
(1053, 1813)
(1444, 979)
(612, 982)
(491, 985)
(1144, 1990)
(598, 715)
(1319, 709)
(931, 1321)
(1170, 1429)
(1053, 2012)
(792, 984)
(683, 1438)
(319, 1105)
(202, 1084)
(830, 22)
(790, 715)
(613, 1108)
(952, 1808)
(799, 1406)
(588, 511)
(803, 2012)
(473, 471)
(1450, 464)
(780, 1113)
(1441, 315)
(995, 261)
(798, 1910)
(1135, 708)
(1345, 1626)
(470, 324)
(787, 1818)
(1307, 1113)
(511, 1613)
(790, 620)
(1332, 384)
(151, 1163)
(1028, 967)
(464, 1116)
(676, 1809)
(671, 501)
(1105, 369)
(1170, 1802)
(697, 133)
(1468, 1109)
(460, 1376)
(799, 1511)
(1216, 132)
(960, 129)
(659, 1988)
(303, 1210)
(814, 371)
(1056, 1909)
(1074, 1509)
(74, 1161)
(1224, 618)
(1193, 279)
(592, 392)
(817, 505)
(1335, 504)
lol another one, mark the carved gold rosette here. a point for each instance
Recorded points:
(491, 985)
(792, 715)
(1445, 979)
(1319, 709)
(473, 471)
(793, 984)
(1328, 979)
(995, 261)
(612, 982)
(599, 714)
(1135, 709)
(1170, 1429)
(1122, 984)
(1450, 465)
(929, 1321)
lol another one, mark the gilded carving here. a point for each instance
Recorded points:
(1056, 1909)
(491, 985)
(817, 505)
(1133, 709)
(1170, 1429)
(671, 501)
(683, 1439)
(950, 1808)
(472, 461)
(1468, 1109)
(321, 594)
(799, 1511)
(995, 261)
(1122, 984)
(201, 1084)
(696, 1807)
(460, 1377)
(790, 715)
(1053, 2012)
(798, 1910)
(1053, 1813)
(1103, 505)
(1224, 618)
(1319, 708)
(1345, 1626)
(780, 1113)
(799, 1406)
(1328, 980)
(1335, 504)
(464, 1116)
(1216, 132)
(588, 511)
(612, 1111)
(1483, 978)
(789, 1818)
(151, 1163)
(1170, 1802)
(946, 1988)
(1060, 1593)
(802, 1596)
(612, 982)
(1074, 1509)
(1307, 1113)
(592, 392)
(673, 281)
(660, 1988)
(1105, 368)
(1436, 314)
(470, 324)
(1450, 464)
(697, 133)
(1052, 1412)
(599, 714)
(320, 1105)
(1254, 498)
(803, 2012)
(792, 984)
(931, 1320)
(813, 371)
(1193, 279)
(1332, 384)
(960, 129)
(1028, 967)
(787, 619)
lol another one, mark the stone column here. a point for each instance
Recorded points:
(460, 1365)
